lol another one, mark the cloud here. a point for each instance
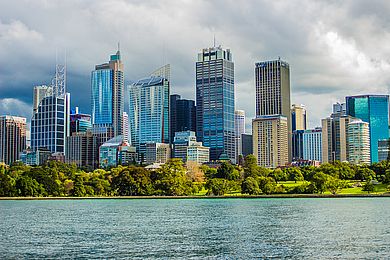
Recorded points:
(333, 48)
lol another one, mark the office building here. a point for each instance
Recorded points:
(215, 102)
(12, 138)
(239, 124)
(358, 142)
(83, 149)
(157, 153)
(298, 117)
(116, 152)
(246, 144)
(270, 140)
(149, 112)
(40, 92)
(383, 150)
(50, 123)
(373, 109)
(273, 92)
(163, 72)
(79, 122)
(187, 148)
(312, 144)
(183, 115)
(34, 158)
(125, 127)
(107, 82)
(334, 138)
(297, 145)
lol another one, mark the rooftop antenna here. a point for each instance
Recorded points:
(214, 39)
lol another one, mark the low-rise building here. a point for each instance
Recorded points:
(186, 148)
(157, 153)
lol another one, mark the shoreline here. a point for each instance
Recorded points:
(281, 196)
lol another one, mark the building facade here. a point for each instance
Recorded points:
(270, 140)
(383, 150)
(40, 92)
(373, 109)
(186, 148)
(149, 111)
(298, 117)
(79, 122)
(50, 123)
(125, 127)
(12, 138)
(273, 92)
(183, 115)
(157, 153)
(83, 149)
(215, 102)
(246, 144)
(312, 144)
(358, 142)
(107, 81)
(239, 124)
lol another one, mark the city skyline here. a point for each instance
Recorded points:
(330, 58)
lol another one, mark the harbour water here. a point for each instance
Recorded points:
(326, 228)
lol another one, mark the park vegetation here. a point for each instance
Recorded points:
(55, 179)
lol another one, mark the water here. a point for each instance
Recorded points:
(343, 228)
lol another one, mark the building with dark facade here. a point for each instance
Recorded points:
(183, 115)
(215, 102)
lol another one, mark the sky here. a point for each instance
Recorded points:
(334, 48)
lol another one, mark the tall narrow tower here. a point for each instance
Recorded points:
(273, 98)
(215, 102)
(108, 94)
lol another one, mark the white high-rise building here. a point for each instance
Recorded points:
(312, 144)
(358, 140)
(125, 127)
(239, 124)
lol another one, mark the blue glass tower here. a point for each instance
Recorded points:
(215, 102)
(107, 83)
(149, 111)
(373, 109)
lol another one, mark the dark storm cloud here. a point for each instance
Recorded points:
(334, 48)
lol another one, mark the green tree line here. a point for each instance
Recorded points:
(174, 179)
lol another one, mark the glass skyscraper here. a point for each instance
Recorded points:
(107, 83)
(183, 115)
(149, 111)
(50, 121)
(215, 102)
(373, 109)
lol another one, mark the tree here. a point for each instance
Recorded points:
(368, 186)
(133, 181)
(172, 180)
(267, 184)
(217, 186)
(364, 173)
(334, 184)
(194, 172)
(250, 186)
(28, 187)
(319, 182)
(7, 185)
(294, 174)
(279, 175)
(227, 171)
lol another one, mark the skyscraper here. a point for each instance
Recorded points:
(12, 138)
(273, 96)
(79, 122)
(358, 142)
(149, 111)
(270, 144)
(183, 115)
(239, 123)
(107, 82)
(373, 109)
(125, 127)
(40, 92)
(215, 102)
(50, 123)
(312, 144)
(298, 117)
